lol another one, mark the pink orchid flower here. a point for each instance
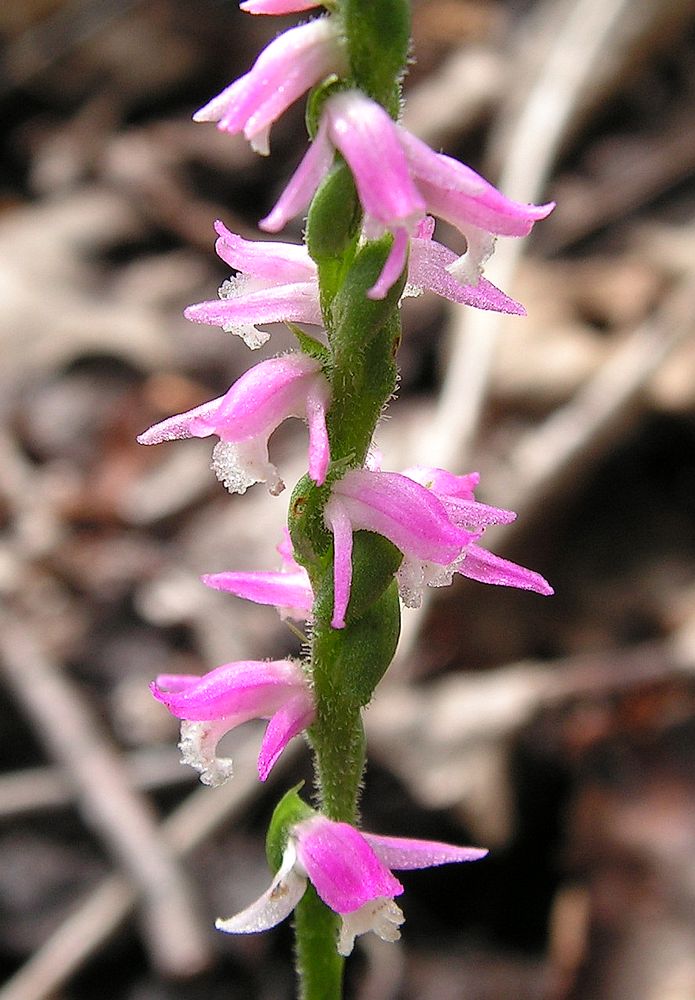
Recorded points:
(245, 417)
(277, 284)
(288, 590)
(212, 705)
(289, 66)
(351, 872)
(433, 518)
(399, 178)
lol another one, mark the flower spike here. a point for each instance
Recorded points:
(228, 696)
(289, 66)
(245, 417)
(351, 872)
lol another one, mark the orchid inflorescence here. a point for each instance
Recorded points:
(361, 539)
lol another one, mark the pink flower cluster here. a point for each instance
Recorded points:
(430, 515)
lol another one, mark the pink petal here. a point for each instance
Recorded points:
(303, 183)
(470, 513)
(427, 269)
(443, 483)
(277, 6)
(277, 263)
(395, 262)
(317, 399)
(406, 513)
(198, 422)
(339, 523)
(458, 194)
(402, 853)
(291, 719)
(266, 395)
(240, 691)
(289, 592)
(176, 682)
(343, 868)
(485, 567)
(368, 139)
(294, 303)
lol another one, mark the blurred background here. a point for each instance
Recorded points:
(557, 731)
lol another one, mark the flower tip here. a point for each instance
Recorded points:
(192, 313)
(543, 211)
(158, 693)
(338, 621)
(205, 114)
(272, 223)
(477, 853)
(377, 292)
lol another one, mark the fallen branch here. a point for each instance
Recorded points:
(119, 815)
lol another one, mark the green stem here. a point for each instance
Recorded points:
(363, 335)
(319, 965)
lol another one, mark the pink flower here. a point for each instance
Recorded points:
(432, 517)
(351, 872)
(278, 284)
(398, 178)
(228, 696)
(292, 64)
(289, 590)
(245, 417)
(277, 6)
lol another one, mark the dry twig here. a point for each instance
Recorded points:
(121, 817)
(109, 904)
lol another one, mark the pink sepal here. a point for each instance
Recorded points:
(427, 271)
(240, 306)
(277, 263)
(302, 184)
(290, 719)
(343, 868)
(366, 136)
(394, 506)
(486, 567)
(402, 853)
(406, 513)
(455, 192)
(245, 689)
(339, 524)
(290, 593)
(395, 262)
(277, 6)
